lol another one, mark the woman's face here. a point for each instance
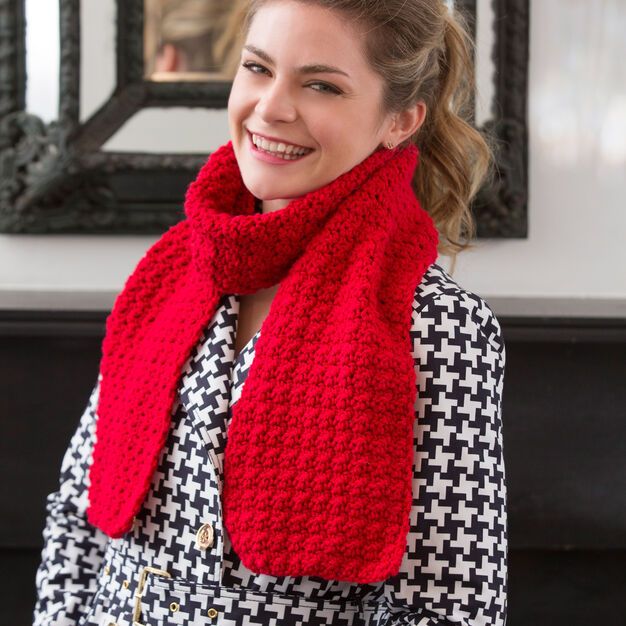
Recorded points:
(282, 92)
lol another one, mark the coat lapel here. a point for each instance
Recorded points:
(211, 376)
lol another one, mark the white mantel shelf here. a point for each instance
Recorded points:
(614, 308)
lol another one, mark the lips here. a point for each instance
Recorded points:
(278, 157)
(278, 140)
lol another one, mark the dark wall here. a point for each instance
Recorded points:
(564, 421)
(564, 446)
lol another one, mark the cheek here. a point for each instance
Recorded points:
(337, 128)
(328, 131)
(234, 108)
(237, 100)
(338, 147)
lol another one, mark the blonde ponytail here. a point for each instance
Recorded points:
(455, 158)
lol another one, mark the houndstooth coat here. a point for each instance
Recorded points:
(177, 566)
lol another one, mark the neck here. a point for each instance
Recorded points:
(270, 206)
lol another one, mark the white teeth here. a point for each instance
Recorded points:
(286, 151)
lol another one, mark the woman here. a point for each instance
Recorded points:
(357, 477)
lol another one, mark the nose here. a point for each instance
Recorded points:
(275, 104)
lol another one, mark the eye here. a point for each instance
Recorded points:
(326, 88)
(256, 68)
(250, 65)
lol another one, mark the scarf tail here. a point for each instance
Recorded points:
(340, 464)
(138, 382)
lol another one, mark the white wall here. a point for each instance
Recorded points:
(574, 260)
(577, 205)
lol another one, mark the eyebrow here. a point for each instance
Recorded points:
(313, 68)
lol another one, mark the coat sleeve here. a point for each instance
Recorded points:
(454, 570)
(73, 549)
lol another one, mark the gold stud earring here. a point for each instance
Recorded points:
(390, 145)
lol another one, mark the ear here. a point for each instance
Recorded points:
(168, 59)
(406, 123)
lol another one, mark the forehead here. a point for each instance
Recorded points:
(301, 32)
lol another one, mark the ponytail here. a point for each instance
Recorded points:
(455, 158)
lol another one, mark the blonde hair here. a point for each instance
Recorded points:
(207, 31)
(423, 51)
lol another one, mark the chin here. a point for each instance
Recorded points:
(264, 191)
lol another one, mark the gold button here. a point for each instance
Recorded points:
(107, 570)
(125, 584)
(211, 612)
(174, 606)
(112, 624)
(204, 537)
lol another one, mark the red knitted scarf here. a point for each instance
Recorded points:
(319, 452)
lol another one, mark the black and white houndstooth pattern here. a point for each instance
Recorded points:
(455, 566)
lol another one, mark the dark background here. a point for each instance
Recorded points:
(564, 447)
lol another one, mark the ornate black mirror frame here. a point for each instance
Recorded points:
(56, 178)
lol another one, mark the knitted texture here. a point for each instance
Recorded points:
(319, 453)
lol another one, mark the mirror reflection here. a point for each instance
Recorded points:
(42, 59)
(187, 40)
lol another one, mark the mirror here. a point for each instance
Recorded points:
(42, 59)
(86, 165)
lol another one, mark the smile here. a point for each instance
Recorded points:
(278, 149)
